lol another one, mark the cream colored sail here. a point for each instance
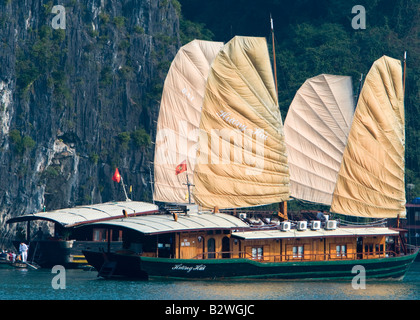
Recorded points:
(316, 130)
(179, 118)
(241, 159)
(371, 177)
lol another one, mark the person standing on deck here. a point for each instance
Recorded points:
(23, 250)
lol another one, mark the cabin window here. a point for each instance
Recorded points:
(100, 235)
(379, 248)
(211, 248)
(96, 235)
(225, 247)
(298, 251)
(369, 249)
(257, 253)
(341, 250)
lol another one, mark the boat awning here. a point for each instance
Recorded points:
(165, 223)
(293, 233)
(70, 217)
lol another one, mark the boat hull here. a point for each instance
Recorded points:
(68, 253)
(147, 267)
(5, 264)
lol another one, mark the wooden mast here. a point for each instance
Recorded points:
(405, 64)
(282, 213)
(360, 88)
(274, 55)
(405, 60)
(188, 184)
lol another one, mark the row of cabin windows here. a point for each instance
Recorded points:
(379, 248)
(298, 251)
(340, 249)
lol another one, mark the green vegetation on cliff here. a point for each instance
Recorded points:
(314, 37)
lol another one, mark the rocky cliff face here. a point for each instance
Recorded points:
(76, 103)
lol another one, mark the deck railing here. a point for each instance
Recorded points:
(295, 257)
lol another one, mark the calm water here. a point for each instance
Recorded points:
(22, 284)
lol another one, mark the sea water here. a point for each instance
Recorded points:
(42, 284)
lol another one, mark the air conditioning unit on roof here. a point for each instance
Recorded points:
(315, 225)
(331, 225)
(302, 225)
(285, 226)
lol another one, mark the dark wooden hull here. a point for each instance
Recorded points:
(4, 264)
(147, 267)
(17, 264)
(68, 253)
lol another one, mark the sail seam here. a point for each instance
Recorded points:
(363, 203)
(278, 140)
(257, 114)
(267, 108)
(245, 54)
(311, 173)
(300, 134)
(370, 175)
(390, 107)
(325, 108)
(339, 109)
(318, 190)
(383, 135)
(253, 182)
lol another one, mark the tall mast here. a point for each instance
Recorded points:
(360, 88)
(188, 184)
(274, 55)
(405, 60)
(282, 205)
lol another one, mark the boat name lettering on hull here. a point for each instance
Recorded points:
(181, 267)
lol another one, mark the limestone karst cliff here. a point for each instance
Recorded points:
(79, 101)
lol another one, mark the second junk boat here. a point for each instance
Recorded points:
(242, 156)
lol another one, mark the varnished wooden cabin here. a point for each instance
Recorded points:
(276, 245)
(217, 239)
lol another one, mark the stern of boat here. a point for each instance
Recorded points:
(109, 264)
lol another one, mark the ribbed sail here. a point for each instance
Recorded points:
(371, 177)
(241, 159)
(179, 118)
(316, 130)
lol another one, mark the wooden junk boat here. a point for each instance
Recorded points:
(210, 245)
(221, 144)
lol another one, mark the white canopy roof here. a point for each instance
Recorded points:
(163, 223)
(90, 213)
(293, 233)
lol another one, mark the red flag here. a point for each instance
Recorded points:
(116, 177)
(181, 167)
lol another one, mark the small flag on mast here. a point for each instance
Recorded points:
(181, 167)
(116, 177)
